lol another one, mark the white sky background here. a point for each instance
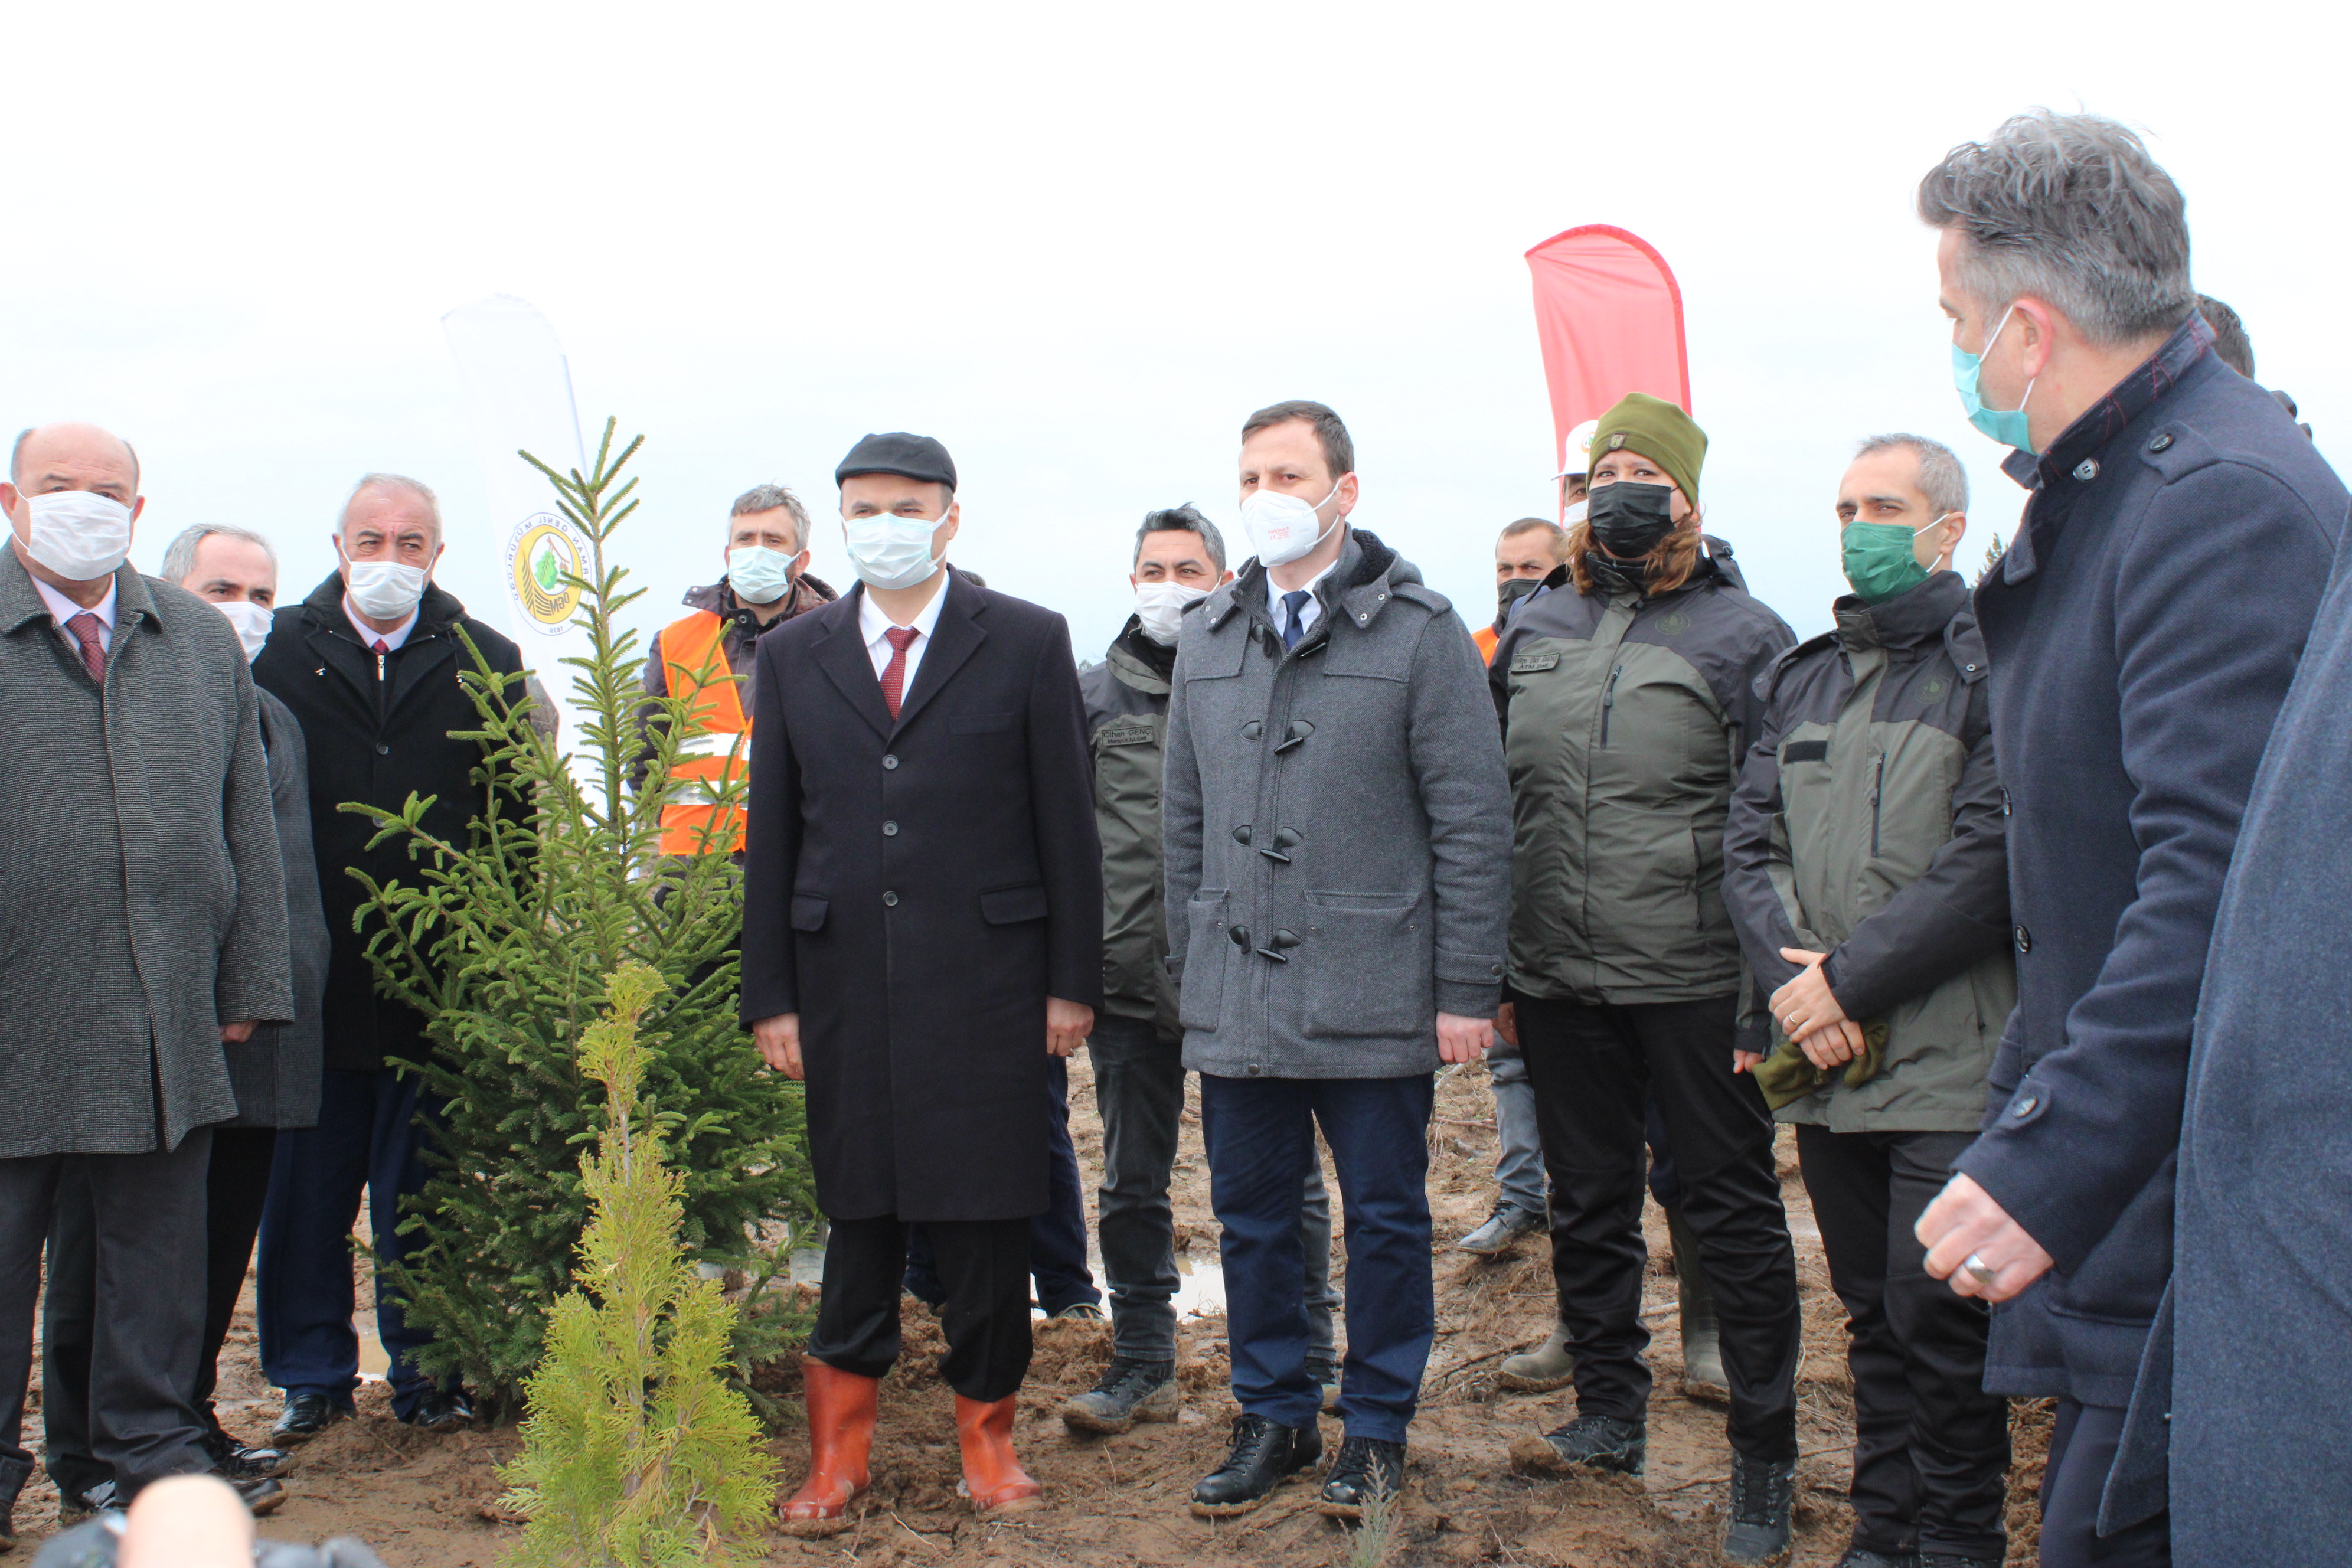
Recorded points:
(1077, 243)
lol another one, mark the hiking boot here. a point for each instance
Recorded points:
(1131, 1391)
(1949, 1560)
(1507, 1227)
(1265, 1454)
(1587, 1443)
(1863, 1557)
(1324, 1371)
(1365, 1471)
(1080, 1312)
(1761, 1492)
(1540, 1371)
(1702, 1339)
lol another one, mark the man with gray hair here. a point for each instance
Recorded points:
(706, 656)
(368, 666)
(2142, 630)
(1862, 868)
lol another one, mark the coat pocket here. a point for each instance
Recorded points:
(1206, 946)
(1367, 961)
(809, 911)
(1011, 906)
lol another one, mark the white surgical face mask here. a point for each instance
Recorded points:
(251, 621)
(384, 590)
(81, 536)
(758, 575)
(890, 550)
(1284, 527)
(1160, 607)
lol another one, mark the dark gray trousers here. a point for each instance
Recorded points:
(148, 1313)
(1139, 1092)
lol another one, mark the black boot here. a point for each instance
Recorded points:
(1364, 1471)
(1945, 1560)
(1863, 1557)
(1265, 1454)
(1761, 1493)
(1587, 1443)
(1129, 1392)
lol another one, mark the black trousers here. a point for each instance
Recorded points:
(148, 1306)
(234, 1185)
(1930, 1446)
(983, 1264)
(2082, 1452)
(1594, 1071)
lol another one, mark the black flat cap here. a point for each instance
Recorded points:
(915, 456)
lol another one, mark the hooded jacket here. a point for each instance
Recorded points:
(1625, 719)
(1338, 827)
(1127, 731)
(1867, 825)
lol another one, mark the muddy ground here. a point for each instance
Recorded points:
(429, 1502)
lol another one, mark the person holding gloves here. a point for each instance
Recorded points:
(1626, 690)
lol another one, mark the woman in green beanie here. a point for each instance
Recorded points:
(1627, 688)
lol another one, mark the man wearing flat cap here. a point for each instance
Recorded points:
(922, 928)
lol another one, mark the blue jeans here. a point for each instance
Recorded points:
(368, 1136)
(1260, 1134)
(1057, 1238)
(1518, 1155)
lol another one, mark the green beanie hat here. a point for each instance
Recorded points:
(1660, 432)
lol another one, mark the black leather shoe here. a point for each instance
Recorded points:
(262, 1493)
(305, 1416)
(93, 1502)
(243, 1460)
(1948, 1560)
(1364, 1471)
(1861, 1557)
(1507, 1227)
(440, 1411)
(1761, 1493)
(1587, 1443)
(1265, 1454)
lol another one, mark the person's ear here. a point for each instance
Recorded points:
(1349, 492)
(2036, 337)
(1226, 579)
(1956, 528)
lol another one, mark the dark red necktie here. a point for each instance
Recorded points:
(86, 630)
(894, 674)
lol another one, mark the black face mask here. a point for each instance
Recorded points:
(1630, 518)
(1510, 594)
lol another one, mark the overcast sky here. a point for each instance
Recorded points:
(1076, 243)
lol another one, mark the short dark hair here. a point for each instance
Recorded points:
(2231, 345)
(1559, 535)
(1182, 518)
(1339, 451)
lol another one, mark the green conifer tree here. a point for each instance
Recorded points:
(504, 943)
(636, 1454)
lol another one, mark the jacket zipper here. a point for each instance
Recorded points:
(1609, 701)
(1877, 782)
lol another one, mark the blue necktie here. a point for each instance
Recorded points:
(1296, 603)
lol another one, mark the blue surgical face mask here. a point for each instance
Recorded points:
(2007, 428)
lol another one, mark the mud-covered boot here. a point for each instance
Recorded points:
(1540, 1371)
(1702, 1339)
(841, 1410)
(1762, 1491)
(991, 1475)
(1131, 1391)
(1587, 1443)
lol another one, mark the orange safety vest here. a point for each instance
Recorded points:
(1487, 638)
(718, 744)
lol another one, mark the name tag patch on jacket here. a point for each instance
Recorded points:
(1528, 663)
(1805, 752)
(1125, 737)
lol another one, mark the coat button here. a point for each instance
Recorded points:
(2162, 443)
(2004, 801)
(888, 761)
(1251, 1069)
(381, 750)
(2087, 469)
(2024, 940)
(891, 900)
(2025, 1107)
(889, 830)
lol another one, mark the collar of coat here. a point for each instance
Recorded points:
(838, 649)
(435, 613)
(1358, 586)
(1916, 616)
(2106, 419)
(21, 603)
(1140, 662)
(718, 598)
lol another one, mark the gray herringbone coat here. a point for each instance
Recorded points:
(141, 898)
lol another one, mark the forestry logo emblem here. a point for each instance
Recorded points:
(540, 555)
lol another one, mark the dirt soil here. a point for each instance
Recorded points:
(430, 1503)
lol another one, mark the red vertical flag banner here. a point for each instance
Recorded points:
(1610, 316)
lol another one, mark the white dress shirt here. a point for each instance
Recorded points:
(1308, 613)
(369, 636)
(874, 626)
(62, 609)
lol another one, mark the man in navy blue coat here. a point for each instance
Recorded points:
(2143, 630)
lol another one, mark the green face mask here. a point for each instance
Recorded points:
(1878, 559)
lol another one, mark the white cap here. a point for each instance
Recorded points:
(1580, 443)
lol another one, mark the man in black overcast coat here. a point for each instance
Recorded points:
(922, 924)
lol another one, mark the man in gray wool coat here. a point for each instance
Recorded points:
(143, 904)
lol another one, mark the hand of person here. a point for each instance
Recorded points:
(1963, 1227)
(236, 1034)
(1506, 1022)
(1746, 1061)
(1067, 1024)
(1833, 1044)
(779, 1039)
(1461, 1039)
(1805, 1005)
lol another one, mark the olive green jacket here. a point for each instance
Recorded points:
(1127, 730)
(1625, 720)
(1868, 825)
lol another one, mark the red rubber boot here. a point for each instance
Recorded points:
(841, 1409)
(994, 1478)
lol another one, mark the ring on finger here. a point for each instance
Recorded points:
(1977, 1270)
